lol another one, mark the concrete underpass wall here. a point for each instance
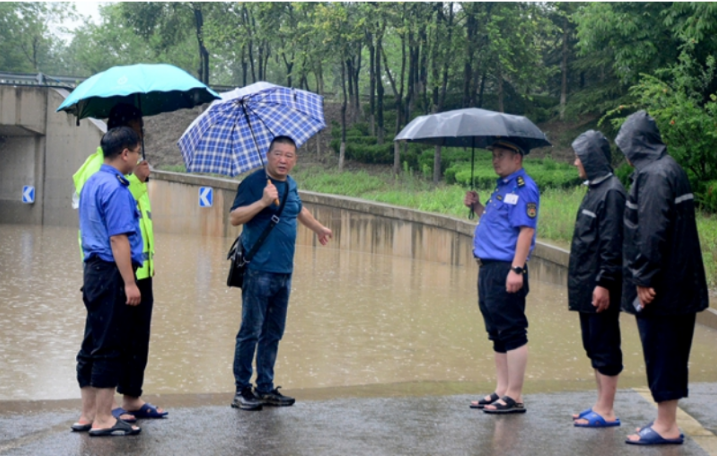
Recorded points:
(21, 160)
(41, 148)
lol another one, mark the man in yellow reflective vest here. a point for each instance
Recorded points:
(137, 345)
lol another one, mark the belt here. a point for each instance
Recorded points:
(484, 262)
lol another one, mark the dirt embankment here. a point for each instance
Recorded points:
(163, 132)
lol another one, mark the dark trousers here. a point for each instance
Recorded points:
(601, 339)
(100, 359)
(666, 344)
(136, 340)
(265, 303)
(503, 312)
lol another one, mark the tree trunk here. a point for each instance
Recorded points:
(372, 86)
(251, 61)
(349, 76)
(437, 165)
(289, 64)
(397, 157)
(244, 66)
(564, 71)
(446, 60)
(379, 94)
(266, 58)
(249, 24)
(482, 90)
(500, 90)
(203, 53)
(357, 75)
(342, 148)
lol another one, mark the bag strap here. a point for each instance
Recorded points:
(274, 220)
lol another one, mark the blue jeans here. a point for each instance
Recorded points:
(265, 301)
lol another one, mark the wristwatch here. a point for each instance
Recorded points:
(517, 269)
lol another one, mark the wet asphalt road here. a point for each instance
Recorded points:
(424, 425)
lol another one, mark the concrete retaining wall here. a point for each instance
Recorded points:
(40, 148)
(357, 224)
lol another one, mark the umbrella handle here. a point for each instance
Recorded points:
(276, 201)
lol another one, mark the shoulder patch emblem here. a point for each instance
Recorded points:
(531, 209)
(521, 181)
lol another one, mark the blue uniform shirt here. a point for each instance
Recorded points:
(107, 208)
(276, 254)
(513, 204)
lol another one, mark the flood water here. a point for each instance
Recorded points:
(355, 319)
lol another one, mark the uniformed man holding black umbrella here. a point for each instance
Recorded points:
(503, 240)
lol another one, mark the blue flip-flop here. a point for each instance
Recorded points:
(582, 414)
(119, 411)
(649, 436)
(596, 421)
(148, 411)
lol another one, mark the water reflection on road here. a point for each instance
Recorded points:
(354, 319)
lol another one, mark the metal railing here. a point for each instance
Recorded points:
(67, 82)
(39, 79)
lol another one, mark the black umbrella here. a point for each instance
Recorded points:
(473, 127)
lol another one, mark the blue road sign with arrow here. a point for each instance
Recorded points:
(206, 196)
(28, 194)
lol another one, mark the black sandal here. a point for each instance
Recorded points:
(482, 403)
(120, 428)
(510, 406)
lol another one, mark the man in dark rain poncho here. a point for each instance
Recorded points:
(595, 272)
(664, 277)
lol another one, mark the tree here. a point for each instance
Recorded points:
(26, 43)
(341, 31)
(167, 25)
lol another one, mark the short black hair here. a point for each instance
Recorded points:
(121, 114)
(117, 139)
(281, 140)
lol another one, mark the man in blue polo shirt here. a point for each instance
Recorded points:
(503, 240)
(112, 243)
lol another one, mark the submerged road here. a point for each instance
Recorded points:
(360, 425)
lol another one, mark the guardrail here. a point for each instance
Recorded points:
(68, 82)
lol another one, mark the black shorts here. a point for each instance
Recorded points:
(666, 343)
(601, 339)
(503, 312)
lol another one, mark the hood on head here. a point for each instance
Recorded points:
(593, 149)
(639, 139)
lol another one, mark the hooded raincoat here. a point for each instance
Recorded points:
(661, 245)
(596, 249)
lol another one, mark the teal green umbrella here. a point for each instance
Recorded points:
(152, 88)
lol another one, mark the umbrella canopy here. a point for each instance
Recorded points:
(153, 88)
(234, 134)
(473, 127)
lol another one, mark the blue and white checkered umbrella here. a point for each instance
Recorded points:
(234, 134)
